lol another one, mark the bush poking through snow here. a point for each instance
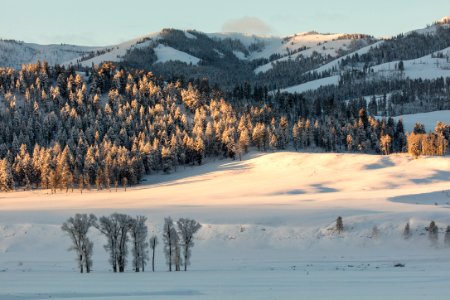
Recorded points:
(375, 232)
(433, 233)
(339, 225)
(407, 232)
(447, 237)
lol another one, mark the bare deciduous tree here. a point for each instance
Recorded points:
(187, 229)
(115, 228)
(171, 241)
(77, 228)
(139, 232)
(339, 225)
(153, 244)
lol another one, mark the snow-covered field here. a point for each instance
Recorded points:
(267, 232)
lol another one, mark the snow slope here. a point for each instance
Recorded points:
(166, 53)
(267, 232)
(312, 85)
(426, 67)
(14, 54)
(116, 52)
(324, 44)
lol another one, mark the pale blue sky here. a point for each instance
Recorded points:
(103, 22)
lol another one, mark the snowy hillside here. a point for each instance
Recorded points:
(267, 231)
(116, 52)
(309, 43)
(429, 120)
(431, 66)
(312, 85)
(14, 54)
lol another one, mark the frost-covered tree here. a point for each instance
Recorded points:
(339, 225)
(447, 237)
(139, 231)
(433, 233)
(77, 228)
(6, 177)
(153, 244)
(187, 228)
(115, 228)
(407, 231)
(171, 243)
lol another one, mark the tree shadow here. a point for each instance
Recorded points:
(437, 176)
(385, 162)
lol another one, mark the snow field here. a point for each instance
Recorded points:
(268, 231)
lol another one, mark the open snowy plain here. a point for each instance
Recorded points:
(268, 232)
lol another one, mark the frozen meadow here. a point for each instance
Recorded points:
(268, 232)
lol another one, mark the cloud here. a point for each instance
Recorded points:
(247, 24)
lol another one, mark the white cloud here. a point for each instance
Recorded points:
(247, 24)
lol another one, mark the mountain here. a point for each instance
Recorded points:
(298, 63)
(15, 53)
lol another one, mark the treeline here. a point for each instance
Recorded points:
(402, 47)
(108, 128)
(407, 233)
(122, 230)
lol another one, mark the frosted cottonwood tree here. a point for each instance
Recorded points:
(77, 228)
(153, 244)
(115, 228)
(171, 242)
(139, 231)
(187, 228)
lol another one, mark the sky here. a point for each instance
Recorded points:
(103, 22)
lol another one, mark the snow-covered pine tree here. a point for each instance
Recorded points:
(6, 177)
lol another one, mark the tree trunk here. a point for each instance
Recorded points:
(81, 263)
(153, 260)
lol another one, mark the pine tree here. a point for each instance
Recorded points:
(6, 177)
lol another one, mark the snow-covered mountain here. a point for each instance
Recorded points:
(297, 63)
(14, 53)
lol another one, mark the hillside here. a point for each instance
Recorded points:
(267, 231)
(14, 54)
(296, 64)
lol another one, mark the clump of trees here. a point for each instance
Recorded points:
(119, 229)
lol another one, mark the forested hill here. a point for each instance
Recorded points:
(297, 63)
(109, 127)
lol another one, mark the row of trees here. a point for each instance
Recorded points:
(432, 229)
(119, 229)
